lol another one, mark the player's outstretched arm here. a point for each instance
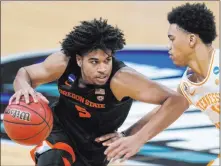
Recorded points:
(129, 83)
(111, 137)
(139, 124)
(29, 77)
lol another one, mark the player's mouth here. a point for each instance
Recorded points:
(102, 79)
(171, 56)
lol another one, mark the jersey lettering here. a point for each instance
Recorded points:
(216, 108)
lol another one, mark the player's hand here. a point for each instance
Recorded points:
(123, 148)
(26, 92)
(109, 138)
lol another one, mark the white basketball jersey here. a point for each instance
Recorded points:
(205, 95)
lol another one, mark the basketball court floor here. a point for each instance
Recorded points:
(15, 154)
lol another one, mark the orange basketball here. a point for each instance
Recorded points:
(28, 124)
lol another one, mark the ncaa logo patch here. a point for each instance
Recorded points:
(216, 70)
(71, 78)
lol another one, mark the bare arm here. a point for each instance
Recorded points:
(128, 82)
(144, 120)
(139, 124)
(111, 137)
(29, 77)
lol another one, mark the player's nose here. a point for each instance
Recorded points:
(102, 68)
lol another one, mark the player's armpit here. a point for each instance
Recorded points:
(49, 70)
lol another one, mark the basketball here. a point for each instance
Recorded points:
(28, 124)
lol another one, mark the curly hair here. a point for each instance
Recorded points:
(195, 18)
(91, 35)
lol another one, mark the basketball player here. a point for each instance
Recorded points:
(96, 94)
(191, 33)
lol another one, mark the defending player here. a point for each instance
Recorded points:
(191, 33)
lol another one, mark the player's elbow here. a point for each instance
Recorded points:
(20, 74)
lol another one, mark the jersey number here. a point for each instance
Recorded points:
(83, 113)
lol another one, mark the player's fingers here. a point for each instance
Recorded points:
(18, 96)
(112, 146)
(114, 152)
(106, 137)
(106, 143)
(126, 157)
(43, 98)
(119, 155)
(26, 95)
(11, 99)
(34, 95)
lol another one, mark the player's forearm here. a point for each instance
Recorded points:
(170, 111)
(22, 80)
(139, 124)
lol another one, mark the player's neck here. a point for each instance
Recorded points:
(200, 61)
(82, 83)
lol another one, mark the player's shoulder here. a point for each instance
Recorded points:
(127, 77)
(125, 73)
(59, 56)
(57, 59)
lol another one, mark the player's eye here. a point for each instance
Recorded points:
(171, 39)
(107, 60)
(94, 62)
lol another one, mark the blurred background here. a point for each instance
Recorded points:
(28, 26)
(30, 31)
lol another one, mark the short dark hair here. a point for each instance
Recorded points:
(92, 35)
(195, 18)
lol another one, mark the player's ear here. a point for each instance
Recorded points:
(79, 60)
(192, 40)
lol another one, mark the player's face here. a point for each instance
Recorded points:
(96, 66)
(179, 45)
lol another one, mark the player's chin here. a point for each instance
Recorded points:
(177, 63)
(99, 81)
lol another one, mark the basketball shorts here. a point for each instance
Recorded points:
(59, 150)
